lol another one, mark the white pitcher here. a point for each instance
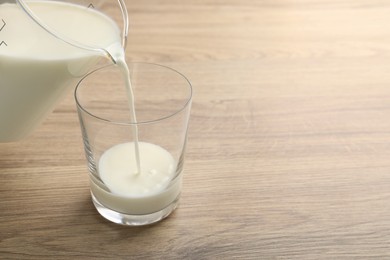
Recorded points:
(45, 48)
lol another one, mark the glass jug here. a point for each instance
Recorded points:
(45, 48)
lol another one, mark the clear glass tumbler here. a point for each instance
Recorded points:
(135, 163)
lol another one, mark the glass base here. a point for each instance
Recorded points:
(134, 220)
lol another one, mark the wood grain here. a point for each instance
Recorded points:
(289, 144)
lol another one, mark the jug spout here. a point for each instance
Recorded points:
(34, 76)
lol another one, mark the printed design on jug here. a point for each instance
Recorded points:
(2, 27)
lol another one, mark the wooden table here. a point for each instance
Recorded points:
(289, 143)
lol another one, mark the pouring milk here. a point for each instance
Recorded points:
(36, 69)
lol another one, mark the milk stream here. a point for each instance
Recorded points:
(121, 62)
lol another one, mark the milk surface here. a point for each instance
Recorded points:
(118, 169)
(36, 68)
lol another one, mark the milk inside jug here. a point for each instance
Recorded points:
(45, 47)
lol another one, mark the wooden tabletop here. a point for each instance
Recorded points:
(289, 143)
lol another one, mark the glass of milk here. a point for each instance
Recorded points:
(134, 138)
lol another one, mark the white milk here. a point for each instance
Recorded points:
(37, 68)
(131, 192)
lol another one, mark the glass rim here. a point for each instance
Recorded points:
(187, 102)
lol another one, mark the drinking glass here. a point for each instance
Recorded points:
(122, 192)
